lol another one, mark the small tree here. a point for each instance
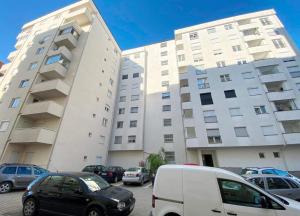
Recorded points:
(154, 161)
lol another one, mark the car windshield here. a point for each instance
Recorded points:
(133, 169)
(249, 172)
(89, 169)
(282, 173)
(95, 182)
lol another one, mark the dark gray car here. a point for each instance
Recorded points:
(18, 176)
(283, 186)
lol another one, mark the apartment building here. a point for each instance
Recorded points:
(223, 93)
(58, 91)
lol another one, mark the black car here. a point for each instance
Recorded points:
(113, 174)
(83, 194)
(97, 169)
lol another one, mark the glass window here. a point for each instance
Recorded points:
(190, 132)
(165, 95)
(268, 130)
(213, 136)
(211, 30)
(210, 116)
(278, 43)
(4, 126)
(258, 181)
(163, 44)
(236, 111)
(121, 111)
(241, 132)
(188, 113)
(181, 57)
(164, 62)
(260, 110)
(277, 183)
(206, 99)
(69, 30)
(170, 157)
(265, 21)
(247, 75)
(221, 64)
(120, 124)
(40, 50)
(225, 78)
(131, 139)
(134, 110)
(135, 75)
(166, 108)
(70, 185)
(122, 98)
(15, 102)
(168, 138)
(167, 122)
(39, 171)
(236, 48)
(125, 76)
(194, 35)
(185, 97)
(291, 183)
(237, 193)
(57, 58)
(228, 26)
(133, 123)
(164, 53)
(118, 139)
(164, 72)
(230, 94)
(24, 83)
(269, 171)
(23, 170)
(33, 65)
(202, 83)
(135, 97)
(10, 170)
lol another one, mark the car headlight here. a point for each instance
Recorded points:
(121, 206)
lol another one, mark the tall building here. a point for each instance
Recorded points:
(223, 93)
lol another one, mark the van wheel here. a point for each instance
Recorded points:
(94, 212)
(30, 207)
(5, 187)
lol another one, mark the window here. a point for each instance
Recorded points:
(120, 124)
(165, 84)
(181, 57)
(298, 86)
(70, 185)
(292, 183)
(195, 46)
(4, 126)
(202, 83)
(122, 98)
(265, 21)
(166, 108)
(236, 193)
(236, 111)
(241, 132)
(236, 48)
(39, 171)
(276, 154)
(213, 136)
(254, 91)
(194, 35)
(111, 82)
(247, 75)
(69, 30)
(197, 57)
(164, 62)
(261, 155)
(135, 97)
(133, 123)
(228, 26)
(109, 93)
(185, 97)
(278, 43)
(121, 111)
(33, 65)
(294, 71)
(188, 113)
(225, 78)
(104, 122)
(102, 139)
(9, 170)
(44, 39)
(136, 55)
(134, 110)
(106, 107)
(209, 116)
(118, 140)
(167, 122)
(164, 44)
(229, 94)
(165, 95)
(24, 83)
(57, 58)
(125, 76)
(90, 134)
(211, 30)
(164, 53)
(290, 59)
(206, 99)
(268, 130)
(135, 75)
(277, 183)
(179, 47)
(131, 139)
(260, 110)
(221, 64)
(23, 170)
(258, 181)
(240, 62)
(170, 157)
(15, 102)
(164, 72)
(168, 138)
(40, 50)
(190, 132)
(184, 83)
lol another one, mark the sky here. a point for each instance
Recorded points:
(137, 23)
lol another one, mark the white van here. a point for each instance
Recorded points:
(181, 190)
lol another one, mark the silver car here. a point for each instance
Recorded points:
(18, 176)
(136, 175)
(280, 185)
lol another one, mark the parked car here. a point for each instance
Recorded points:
(267, 170)
(279, 185)
(136, 175)
(113, 174)
(97, 169)
(80, 194)
(181, 190)
(18, 176)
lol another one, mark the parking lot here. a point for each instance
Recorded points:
(10, 203)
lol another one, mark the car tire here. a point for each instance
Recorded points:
(5, 187)
(94, 212)
(142, 182)
(125, 183)
(30, 207)
(116, 179)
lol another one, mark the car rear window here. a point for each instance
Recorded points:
(10, 170)
(89, 169)
(133, 169)
(39, 170)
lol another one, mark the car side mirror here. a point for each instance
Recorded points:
(264, 202)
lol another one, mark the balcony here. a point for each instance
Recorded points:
(252, 37)
(12, 55)
(292, 138)
(81, 16)
(19, 44)
(251, 25)
(53, 71)
(42, 110)
(33, 136)
(288, 115)
(193, 143)
(61, 50)
(276, 77)
(68, 36)
(266, 62)
(281, 95)
(50, 89)
(259, 49)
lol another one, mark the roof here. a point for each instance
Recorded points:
(264, 176)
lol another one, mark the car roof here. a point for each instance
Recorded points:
(17, 164)
(74, 174)
(264, 175)
(258, 168)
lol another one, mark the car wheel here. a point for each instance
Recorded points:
(125, 183)
(116, 179)
(142, 181)
(5, 187)
(94, 212)
(30, 207)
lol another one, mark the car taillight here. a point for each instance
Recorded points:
(110, 174)
(153, 200)
(138, 175)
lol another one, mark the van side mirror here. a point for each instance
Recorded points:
(264, 202)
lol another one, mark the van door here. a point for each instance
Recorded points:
(242, 200)
(201, 194)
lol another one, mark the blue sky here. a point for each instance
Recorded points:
(140, 22)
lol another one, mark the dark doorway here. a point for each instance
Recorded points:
(208, 160)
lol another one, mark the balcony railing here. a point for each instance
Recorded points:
(33, 136)
(292, 138)
(68, 36)
(275, 77)
(42, 110)
(288, 115)
(50, 89)
(281, 95)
